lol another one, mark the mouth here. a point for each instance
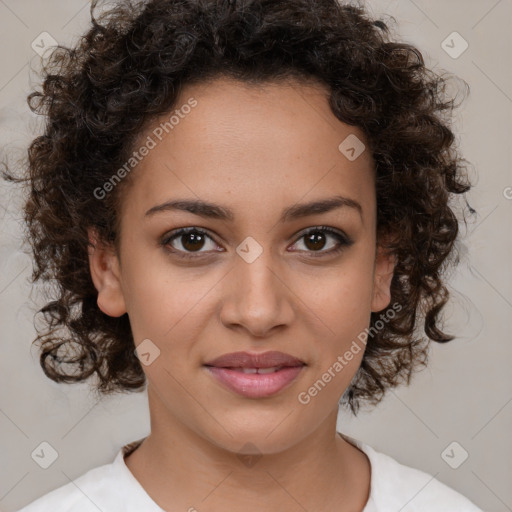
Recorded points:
(259, 371)
(255, 375)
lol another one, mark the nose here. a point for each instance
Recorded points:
(258, 298)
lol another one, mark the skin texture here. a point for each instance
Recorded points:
(256, 150)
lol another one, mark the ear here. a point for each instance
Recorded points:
(105, 274)
(385, 262)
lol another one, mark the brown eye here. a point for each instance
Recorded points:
(316, 239)
(192, 241)
(189, 240)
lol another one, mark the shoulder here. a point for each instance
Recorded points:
(395, 486)
(83, 494)
(110, 487)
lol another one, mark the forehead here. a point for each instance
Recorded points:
(241, 143)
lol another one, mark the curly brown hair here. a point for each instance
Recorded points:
(129, 68)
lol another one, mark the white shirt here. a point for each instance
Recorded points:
(113, 488)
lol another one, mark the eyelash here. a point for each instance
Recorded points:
(344, 241)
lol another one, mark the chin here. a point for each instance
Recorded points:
(262, 436)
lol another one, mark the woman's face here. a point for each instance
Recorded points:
(255, 281)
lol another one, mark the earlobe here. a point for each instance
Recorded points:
(105, 274)
(383, 275)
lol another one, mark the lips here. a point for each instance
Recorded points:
(255, 375)
(258, 361)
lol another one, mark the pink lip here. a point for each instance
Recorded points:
(254, 385)
(228, 370)
(247, 360)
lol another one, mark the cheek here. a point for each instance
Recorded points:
(342, 304)
(342, 298)
(160, 305)
(167, 303)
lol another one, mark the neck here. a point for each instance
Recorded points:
(181, 469)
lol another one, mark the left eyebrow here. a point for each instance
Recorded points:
(214, 211)
(323, 206)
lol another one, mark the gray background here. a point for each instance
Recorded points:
(465, 394)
